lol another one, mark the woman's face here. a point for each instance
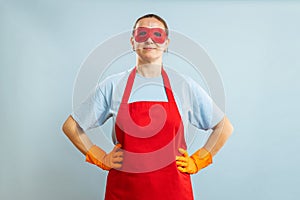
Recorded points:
(151, 49)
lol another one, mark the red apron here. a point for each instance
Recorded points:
(151, 134)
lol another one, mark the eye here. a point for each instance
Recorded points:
(157, 34)
(142, 33)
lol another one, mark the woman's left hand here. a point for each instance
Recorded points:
(192, 164)
(185, 163)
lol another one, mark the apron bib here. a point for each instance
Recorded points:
(151, 133)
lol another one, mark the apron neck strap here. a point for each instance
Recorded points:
(167, 85)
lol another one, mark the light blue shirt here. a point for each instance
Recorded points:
(194, 104)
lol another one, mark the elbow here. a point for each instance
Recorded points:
(67, 126)
(230, 131)
(229, 127)
(71, 128)
(64, 127)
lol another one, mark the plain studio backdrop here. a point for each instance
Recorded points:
(255, 46)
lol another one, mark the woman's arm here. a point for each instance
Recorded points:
(219, 136)
(94, 154)
(203, 157)
(76, 135)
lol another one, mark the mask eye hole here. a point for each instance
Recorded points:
(157, 34)
(142, 33)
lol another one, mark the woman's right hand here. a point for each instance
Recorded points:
(114, 158)
(97, 156)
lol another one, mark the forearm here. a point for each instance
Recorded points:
(77, 136)
(94, 154)
(219, 136)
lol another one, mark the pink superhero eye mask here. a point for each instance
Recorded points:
(158, 35)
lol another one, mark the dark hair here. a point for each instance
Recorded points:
(153, 16)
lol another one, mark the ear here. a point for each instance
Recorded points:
(168, 41)
(132, 41)
(167, 44)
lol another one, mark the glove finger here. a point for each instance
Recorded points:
(181, 164)
(117, 147)
(118, 154)
(178, 163)
(117, 159)
(181, 158)
(184, 152)
(181, 169)
(117, 165)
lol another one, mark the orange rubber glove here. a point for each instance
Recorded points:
(191, 165)
(97, 156)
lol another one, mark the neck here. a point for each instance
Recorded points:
(149, 70)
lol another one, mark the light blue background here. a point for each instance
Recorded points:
(254, 44)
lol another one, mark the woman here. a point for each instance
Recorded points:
(151, 106)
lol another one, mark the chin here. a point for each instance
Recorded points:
(150, 59)
(149, 56)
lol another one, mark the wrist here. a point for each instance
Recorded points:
(202, 158)
(95, 155)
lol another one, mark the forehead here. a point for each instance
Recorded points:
(150, 22)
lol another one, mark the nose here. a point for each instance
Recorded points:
(149, 41)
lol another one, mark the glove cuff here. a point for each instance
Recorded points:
(94, 156)
(202, 158)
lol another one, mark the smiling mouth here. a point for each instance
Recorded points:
(148, 48)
